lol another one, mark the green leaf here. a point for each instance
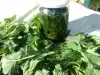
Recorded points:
(92, 71)
(11, 28)
(25, 66)
(90, 45)
(9, 63)
(73, 39)
(73, 46)
(3, 50)
(29, 67)
(73, 68)
(10, 19)
(43, 72)
(94, 56)
(3, 31)
(21, 27)
(75, 56)
(93, 59)
(97, 39)
(58, 70)
(95, 51)
(66, 53)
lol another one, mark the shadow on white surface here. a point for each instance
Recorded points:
(87, 24)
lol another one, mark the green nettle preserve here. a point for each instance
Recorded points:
(53, 19)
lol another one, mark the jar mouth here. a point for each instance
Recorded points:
(53, 11)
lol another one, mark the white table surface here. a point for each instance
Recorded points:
(81, 19)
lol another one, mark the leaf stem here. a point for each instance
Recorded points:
(42, 55)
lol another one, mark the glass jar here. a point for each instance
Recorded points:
(54, 22)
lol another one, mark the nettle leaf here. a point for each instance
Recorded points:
(83, 64)
(73, 46)
(73, 68)
(25, 66)
(96, 38)
(11, 28)
(66, 53)
(73, 39)
(9, 63)
(21, 27)
(93, 59)
(75, 56)
(42, 72)
(94, 51)
(3, 31)
(3, 50)
(29, 67)
(10, 19)
(58, 70)
(92, 71)
(94, 55)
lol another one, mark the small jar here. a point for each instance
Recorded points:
(53, 18)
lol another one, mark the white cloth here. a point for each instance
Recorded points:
(81, 19)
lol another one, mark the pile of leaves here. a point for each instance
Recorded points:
(23, 51)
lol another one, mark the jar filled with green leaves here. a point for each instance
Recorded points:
(53, 18)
